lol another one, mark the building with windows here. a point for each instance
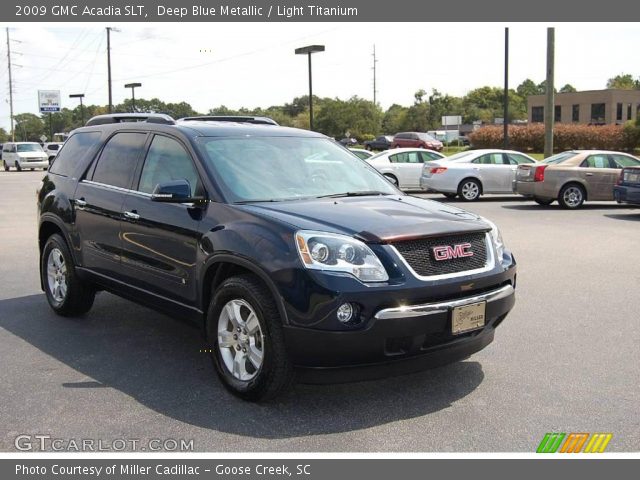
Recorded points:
(594, 107)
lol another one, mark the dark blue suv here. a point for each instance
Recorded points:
(297, 258)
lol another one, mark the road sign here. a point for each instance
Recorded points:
(451, 120)
(49, 100)
(43, 138)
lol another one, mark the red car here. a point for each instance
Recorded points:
(416, 140)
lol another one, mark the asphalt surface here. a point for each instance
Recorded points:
(566, 359)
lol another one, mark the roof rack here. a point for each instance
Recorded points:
(231, 118)
(131, 117)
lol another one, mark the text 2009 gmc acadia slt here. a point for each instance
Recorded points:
(297, 258)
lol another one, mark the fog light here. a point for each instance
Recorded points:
(345, 312)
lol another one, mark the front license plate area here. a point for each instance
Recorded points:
(468, 317)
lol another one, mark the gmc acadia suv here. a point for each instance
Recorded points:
(294, 256)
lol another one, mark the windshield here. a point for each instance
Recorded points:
(427, 137)
(287, 168)
(29, 147)
(559, 158)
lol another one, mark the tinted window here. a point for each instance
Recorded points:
(75, 149)
(537, 114)
(596, 161)
(575, 113)
(428, 156)
(402, 135)
(625, 161)
(166, 161)
(118, 159)
(517, 159)
(597, 112)
(29, 147)
(405, 157)
(53, 147)
(490, 159)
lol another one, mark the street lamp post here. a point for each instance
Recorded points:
(308, 51)
(80, 96)
(133, 87)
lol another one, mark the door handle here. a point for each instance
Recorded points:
(589, 174)
(80, 203)
(132, 215)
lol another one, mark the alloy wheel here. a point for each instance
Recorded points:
(572, 197)
(57, 275)
(470, 191)
(240, 340)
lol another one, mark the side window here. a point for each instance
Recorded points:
(596, 161)
(167, 160)
(490, 159)
(397, 158)
(413, 157)
(516, 159)
(76, 148)
(118, 159)
(621, 161)
(429, 156)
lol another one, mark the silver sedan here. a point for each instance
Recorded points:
(473, 173)
(403, 166)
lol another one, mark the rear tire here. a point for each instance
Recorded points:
(543, 201)
(6, 166)
(244, 330)
(469, 190)
(571, 196)
(67, 295)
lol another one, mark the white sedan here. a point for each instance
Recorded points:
(473, 173)
(403, 166)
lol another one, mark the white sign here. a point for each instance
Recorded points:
(43, 138)
(451, 120)
(49, 100)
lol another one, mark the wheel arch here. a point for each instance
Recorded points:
(578, 183)
(223, 266)
(50, 226)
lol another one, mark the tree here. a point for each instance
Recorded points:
(624, 81)
(393, 119)
(357, 116)
(4, 136)
(28, 127)
(528, 87)
(568, 88)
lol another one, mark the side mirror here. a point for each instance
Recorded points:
(176, 191)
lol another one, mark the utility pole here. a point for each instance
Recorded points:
(13, 135)
(549, 109)
(375, 91)
(505, 120)
(109, 67)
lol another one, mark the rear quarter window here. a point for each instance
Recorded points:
(77, 148)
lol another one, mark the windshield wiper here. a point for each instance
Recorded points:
(363, 193)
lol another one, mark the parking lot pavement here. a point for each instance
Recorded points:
(566, 359)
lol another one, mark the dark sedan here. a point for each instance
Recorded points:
(380, 143)
(627, 189)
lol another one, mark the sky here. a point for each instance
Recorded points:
(253, 65)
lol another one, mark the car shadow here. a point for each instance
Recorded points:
(482, 199)
(160, 363)
(586, 206)
(631, 216)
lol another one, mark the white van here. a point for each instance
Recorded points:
(23, 155)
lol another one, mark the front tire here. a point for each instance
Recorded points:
(18, 167)
(244, 330)
(571, 196)
(470, 190)
(66, 294)
(392, 179)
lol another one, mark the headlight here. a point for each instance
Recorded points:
(496, 236)
(339, 253)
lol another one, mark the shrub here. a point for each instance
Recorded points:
(565, 137)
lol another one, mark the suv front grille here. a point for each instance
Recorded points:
(419, 254)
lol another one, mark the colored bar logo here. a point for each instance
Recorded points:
(573, 443)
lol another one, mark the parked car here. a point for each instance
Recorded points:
(627, 189)
(345, 278)
(403, 166)
(379, 143)
(345, 142)
(573, 177)
(472, 173)
(416, 140)
(360, 153)
(52, 149)
(23, 155)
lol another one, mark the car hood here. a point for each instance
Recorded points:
(379, 219)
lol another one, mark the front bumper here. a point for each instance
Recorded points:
(398, 340)
(33, 163)
(627, 194)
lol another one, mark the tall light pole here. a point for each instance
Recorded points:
(13, 135)
(549, 109)
(133, 87)
(308, 51)
(80, 96)
(109, 30)
(505, 120)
